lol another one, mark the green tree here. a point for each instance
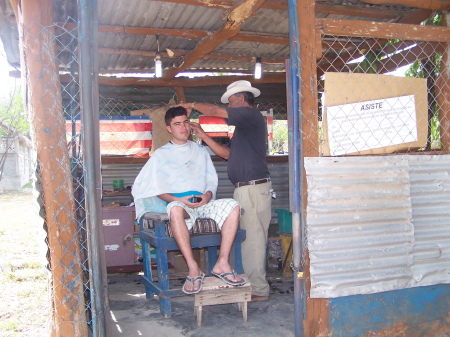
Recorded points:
(280, 136)
(12, 114)
(430, 68)
(13, 123)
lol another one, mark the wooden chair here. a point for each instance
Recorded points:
(155, 232)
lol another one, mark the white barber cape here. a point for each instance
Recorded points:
(173, 169)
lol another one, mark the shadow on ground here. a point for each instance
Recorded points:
(133, 315)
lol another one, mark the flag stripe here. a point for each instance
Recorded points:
(120, 136)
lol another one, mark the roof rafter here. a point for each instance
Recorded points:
(187, 33)
(384, 30)
(235, 19)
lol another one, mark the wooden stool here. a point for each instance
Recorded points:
(216, 291)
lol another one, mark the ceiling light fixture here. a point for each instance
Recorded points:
(158, 63)
(258, 68)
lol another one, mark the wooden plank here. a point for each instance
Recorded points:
(384, 30)
(223, 296)
(309, 110)
(182, 82)
(308, 74)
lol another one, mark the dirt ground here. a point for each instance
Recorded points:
(134, 315)
(25, 304)
(24, 301)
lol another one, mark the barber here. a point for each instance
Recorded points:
(248, 171)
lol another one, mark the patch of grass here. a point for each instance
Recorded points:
(9, 324)
(24, 299)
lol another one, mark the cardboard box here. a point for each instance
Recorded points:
(374, 114)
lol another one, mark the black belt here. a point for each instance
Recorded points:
(252, 182)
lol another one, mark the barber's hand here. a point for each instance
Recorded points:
(197, 129)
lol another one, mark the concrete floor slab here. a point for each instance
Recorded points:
(134, 315)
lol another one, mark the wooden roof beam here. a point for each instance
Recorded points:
(179, 53)
(416, 16)
(187, 33)
(181, 81)
(235, 19)
(383, 30)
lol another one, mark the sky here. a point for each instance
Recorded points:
(6, 82)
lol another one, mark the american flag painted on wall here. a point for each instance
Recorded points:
(120, 135)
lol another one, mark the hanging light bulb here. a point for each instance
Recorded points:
(158, 63)
(258, 68)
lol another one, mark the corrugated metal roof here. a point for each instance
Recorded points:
(133, 51)
(377, 223)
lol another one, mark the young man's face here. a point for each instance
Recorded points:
(180, 129)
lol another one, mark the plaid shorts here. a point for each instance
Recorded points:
(218, 210)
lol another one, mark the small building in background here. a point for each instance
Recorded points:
(16, 161)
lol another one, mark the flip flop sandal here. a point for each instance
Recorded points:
(224, 278)
(192, 280)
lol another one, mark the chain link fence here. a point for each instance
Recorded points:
(51, 66)
(362, 111)
(381, 96)
(51, 54)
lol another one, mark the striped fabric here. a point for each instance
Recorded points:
(201, 226)
(120, 135)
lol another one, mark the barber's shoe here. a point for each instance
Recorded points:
(256, 298)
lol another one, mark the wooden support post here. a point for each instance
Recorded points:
(35, 19)
(316, 319)
(443, 92)
(181, 97)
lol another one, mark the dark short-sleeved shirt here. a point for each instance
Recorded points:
(247, 159)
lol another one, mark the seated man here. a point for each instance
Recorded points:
(176, 172)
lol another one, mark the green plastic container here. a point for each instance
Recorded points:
(118, 184)
(284, 220)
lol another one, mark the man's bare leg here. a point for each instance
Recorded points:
(181, 236)
(228, 231)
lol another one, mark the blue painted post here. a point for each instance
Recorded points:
(238, 258)
(163, 273)
(147, 262)
(212, 258)
(295, 161)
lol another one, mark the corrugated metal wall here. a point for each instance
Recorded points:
(377, 223)
(430, 200)
(278, 171)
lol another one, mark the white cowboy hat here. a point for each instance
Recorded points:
(239, 86)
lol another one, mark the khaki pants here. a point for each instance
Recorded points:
(257, 205)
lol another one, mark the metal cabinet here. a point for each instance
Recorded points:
(118, 230)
